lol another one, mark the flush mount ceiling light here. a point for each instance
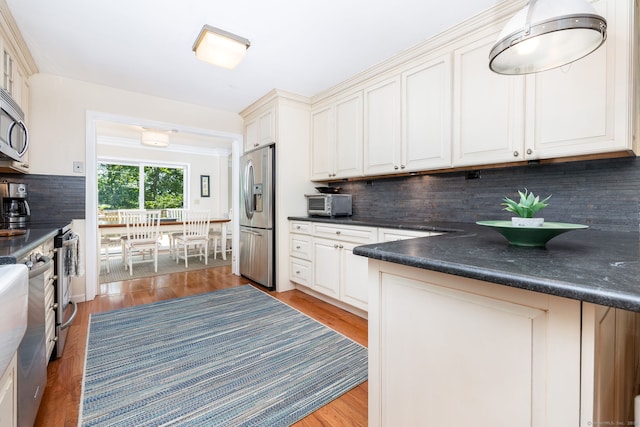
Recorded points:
(220, 47)
(547, 34)
(154, 138)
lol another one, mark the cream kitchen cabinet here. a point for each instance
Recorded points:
(426, 116)
(587, 107)
(408, 120)
(382, 127)
(261, 129)
(336, 271)
(9, 395)
(321, 259)
(336, 138)
(463, 352)
(300, 268)
(488, 108)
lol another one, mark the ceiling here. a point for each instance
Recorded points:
(299, 46)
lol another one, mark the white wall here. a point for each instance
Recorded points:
(57, 119)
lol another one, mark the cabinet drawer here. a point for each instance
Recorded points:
(391, 235)
(300, 246)
(353, 234)
(300, 227)
(300, 271)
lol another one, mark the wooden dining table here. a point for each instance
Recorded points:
(167, 225)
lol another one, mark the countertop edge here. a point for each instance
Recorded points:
(531, 283)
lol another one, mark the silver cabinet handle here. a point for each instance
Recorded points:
(402, 166)
(529, 151)
(298, 247)
(338, 232)
(395, 167)
(516, 154)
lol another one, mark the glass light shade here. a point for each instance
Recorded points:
(547, 34)
(220, 48)
(155, 139)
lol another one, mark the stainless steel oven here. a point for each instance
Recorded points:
(66, 265)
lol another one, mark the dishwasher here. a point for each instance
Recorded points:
(32, 353)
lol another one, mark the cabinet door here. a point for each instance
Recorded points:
(488, 113)
(326, 271)
(382, 130)
(580, 108)
(435, 340)
(267, 127)
(251, 135)
(353, 277)
(348, 137)
(322, 144)
(426, 115)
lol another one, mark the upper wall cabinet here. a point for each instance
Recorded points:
(426, 116)
(408, 120)
(586, 107)
(261, 129)
(336, 139)
(382, 131)
(583, 108)
(488, 114)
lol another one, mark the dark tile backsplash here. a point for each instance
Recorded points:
(53, 199)
(604, 194)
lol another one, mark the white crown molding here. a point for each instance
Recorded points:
(173, 148)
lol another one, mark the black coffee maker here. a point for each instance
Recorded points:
(15, 208)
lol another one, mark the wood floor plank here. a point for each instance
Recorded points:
(60, 405)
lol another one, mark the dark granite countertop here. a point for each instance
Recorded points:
(587, 265)
(16, 247)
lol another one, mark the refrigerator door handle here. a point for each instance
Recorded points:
(254, 233)
(248, 189)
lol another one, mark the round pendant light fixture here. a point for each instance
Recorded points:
(155, 138)
(547, 34)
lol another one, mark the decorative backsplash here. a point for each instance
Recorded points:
(603, 194)
(53, 199)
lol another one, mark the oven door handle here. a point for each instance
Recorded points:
(37, 271)
(66, 324)
(71, 241)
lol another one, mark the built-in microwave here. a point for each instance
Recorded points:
(329, 204)
(14, 137)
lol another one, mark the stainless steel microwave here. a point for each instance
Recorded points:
(329, 204)
(14, 137)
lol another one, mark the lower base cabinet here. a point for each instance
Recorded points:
(448, 350)
(9, 395)
(321, 258)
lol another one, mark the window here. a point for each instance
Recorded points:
(140, 186)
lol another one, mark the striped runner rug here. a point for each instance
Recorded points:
(233, 357)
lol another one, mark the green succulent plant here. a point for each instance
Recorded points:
(527, 207)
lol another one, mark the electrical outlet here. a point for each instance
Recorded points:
(78, 167)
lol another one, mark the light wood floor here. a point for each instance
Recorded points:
(61, 400)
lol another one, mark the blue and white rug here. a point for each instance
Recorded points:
(231, 357)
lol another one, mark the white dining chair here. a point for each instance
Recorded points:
(216, 237)
(177, 214)
(143, 234)
(195, 233)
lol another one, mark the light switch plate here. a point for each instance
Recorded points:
(78, 167)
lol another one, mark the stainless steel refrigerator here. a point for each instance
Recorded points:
(257, 216)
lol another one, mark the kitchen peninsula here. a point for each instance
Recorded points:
(465, 329)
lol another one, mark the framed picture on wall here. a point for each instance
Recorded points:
(204, 186)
